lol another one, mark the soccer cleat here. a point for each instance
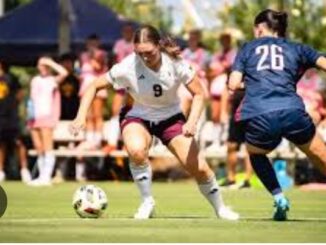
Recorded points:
(146, 209)
(282, 206)
(226, 213)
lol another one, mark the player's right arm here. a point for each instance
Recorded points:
(236, 77)
(86, 101)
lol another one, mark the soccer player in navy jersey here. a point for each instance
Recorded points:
(268, 68)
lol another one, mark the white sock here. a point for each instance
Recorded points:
(49, 159)
(80, 170)
(212, 193)
(113, 131)
(142, 175)
(40, 161)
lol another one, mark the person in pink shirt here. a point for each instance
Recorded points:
(44, 113)
(123, 46)
(198, 57)
(217, 75)
(93, 63)
(121, 49)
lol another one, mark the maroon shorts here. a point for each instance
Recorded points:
(165, 130)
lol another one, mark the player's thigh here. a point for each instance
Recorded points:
(137, 140)
(315, 147)
(262, 133)
(298, 126)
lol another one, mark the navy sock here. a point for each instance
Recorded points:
(265, 173)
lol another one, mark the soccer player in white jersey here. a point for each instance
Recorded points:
(151, 75)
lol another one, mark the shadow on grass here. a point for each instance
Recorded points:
(318, 220)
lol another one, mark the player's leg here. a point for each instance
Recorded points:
(302, 132)
(137, 140)
(262, 135)
(187, 152)
(316, 152)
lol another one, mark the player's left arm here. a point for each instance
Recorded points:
(236, 81)
(197, 105)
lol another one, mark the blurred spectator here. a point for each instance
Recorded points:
(10, 95)
(198, 57)
(93, 63)
(309, 89)
(122, 48)
(218, 72)
(69, 89)
(229, 106)
(44, 113)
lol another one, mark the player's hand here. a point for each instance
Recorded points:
(77, 126)
(189, 129)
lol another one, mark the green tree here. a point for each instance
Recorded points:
(143, 11)
(11, 4)
(307, 19)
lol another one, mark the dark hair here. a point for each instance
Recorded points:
(67, 56)
(148, 33)
(275, 20)
(93, 36)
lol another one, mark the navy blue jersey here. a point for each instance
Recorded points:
(271, 68)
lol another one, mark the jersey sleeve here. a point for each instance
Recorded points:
(116, 76)
(240, 60)
(184, 71)
(309, 55)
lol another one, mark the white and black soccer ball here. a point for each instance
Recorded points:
(89, 201)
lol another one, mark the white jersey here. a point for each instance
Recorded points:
(154, 93)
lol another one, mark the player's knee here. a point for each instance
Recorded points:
(138, 155)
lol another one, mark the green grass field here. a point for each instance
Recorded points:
(182, 215)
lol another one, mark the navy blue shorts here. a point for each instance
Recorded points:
(266, 131)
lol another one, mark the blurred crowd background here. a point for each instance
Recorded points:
(73, 49)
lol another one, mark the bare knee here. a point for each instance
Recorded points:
(138, 155)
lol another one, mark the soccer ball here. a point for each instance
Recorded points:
(89, 201)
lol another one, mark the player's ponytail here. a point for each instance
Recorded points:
(148, 33)
(275, 20)
(169, 46)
